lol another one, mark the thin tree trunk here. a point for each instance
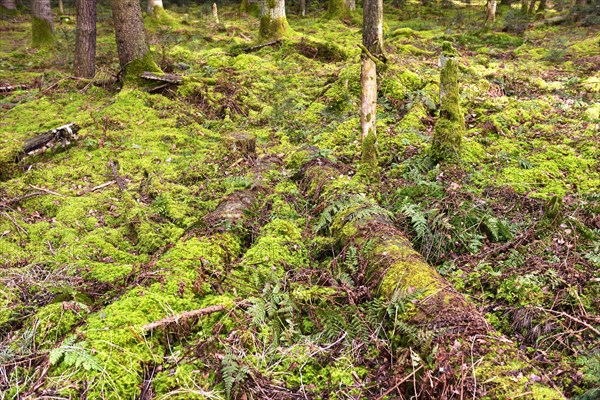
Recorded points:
(273, 23)
(490, 15)
(134, 53)
(85, 43)
(350, 5)
(215, 12)
(61, 8)
(372, 48)
(303, 8)
(41, 23)
(542, 5)
(154, 6)
(8, 4)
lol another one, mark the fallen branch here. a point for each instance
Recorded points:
(96, 188)
(572, 318)
(63, 135)
(260, 46)
(176, 319)
(115, 170)
(12, 202)
(46, 191)
(169, 78)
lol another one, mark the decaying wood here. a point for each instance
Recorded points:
(243, 144)
(260, 46)
(183, 317)
(169, 78)
(115, 171)
(4, 89)
(62, 135)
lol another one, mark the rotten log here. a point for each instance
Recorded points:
(62, 135)
(395, 267)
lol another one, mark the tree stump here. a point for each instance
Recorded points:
(243, 144)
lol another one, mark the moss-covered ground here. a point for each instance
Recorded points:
(84, 266)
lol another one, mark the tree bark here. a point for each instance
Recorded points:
(8, 4)
(154, 6)
(215, 12)
(372, 47)
(490, 14)
(85, 42)
(61, 8)
(393, 267)
(303, 8)
(42, 27)
(273, 23)
(134, 53)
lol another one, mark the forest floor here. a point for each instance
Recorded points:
(154, 211)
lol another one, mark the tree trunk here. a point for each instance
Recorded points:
(340, 8)
(154, 6)
(368, 118)
(450, 126)
(134, 53)
(372, 48)
(8, 4)
(42, 28)
(542, 5)
(61, 8)
(394, 267)
(531, 7)
(303, 8)
(85, 42)
(215, 12)
(273, 23)
(490, 14)
(373, 27)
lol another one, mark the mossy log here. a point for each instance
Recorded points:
(63, 135)
(500, 370)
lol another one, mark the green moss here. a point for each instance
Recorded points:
(134, 69)
(369, 158)
(42, 34)
(273, 28)
(450, 127)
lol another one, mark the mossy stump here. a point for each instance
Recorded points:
(242, 145)
(450, 126)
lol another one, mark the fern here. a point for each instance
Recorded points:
(418, 220)
(356, 207)
(233, 373)
(73, 354)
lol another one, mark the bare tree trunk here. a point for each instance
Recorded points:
(372, 49)
(41, 23)
(8, 4)
(273, 23)
(490, 14)
(134, 53)
(350, 5)
(303, 8)
(215, 12)
(61, 8)
(85, 43)
(154, 6)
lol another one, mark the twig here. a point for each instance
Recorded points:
(260, 46)
(390, 390)
(174, 319)
(96, 188)
(11, 219)
(46, 191)
(572, 318)
(7, 203)
(118, 179)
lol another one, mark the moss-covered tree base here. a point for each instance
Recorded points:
(273, 28)
(131, 73)
(42, 34)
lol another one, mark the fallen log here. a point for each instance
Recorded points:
(495, 368)
(260, 46)
(62, 135)
(169, 78)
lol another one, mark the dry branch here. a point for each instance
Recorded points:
(260, 46)
(176, 319)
